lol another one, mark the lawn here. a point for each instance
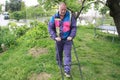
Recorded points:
(34, 59)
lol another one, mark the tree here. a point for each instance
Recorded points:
(114, 6)
(17, 9)
(35, 12)
(77, 6)
(0, 8)
(15, 5)
(23, 7)
(7, 6)
(18, 15)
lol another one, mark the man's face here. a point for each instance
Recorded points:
(62, 9)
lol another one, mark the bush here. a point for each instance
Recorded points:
(20, 31)
(18, 15)
(37, 32)
(7, 38)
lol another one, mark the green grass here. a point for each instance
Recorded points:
(99, 58)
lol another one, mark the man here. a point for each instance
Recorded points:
(62, 29)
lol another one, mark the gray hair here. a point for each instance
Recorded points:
(61, 3)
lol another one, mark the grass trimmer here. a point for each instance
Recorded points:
(81, 75)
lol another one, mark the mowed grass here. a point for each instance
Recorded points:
(99, 58)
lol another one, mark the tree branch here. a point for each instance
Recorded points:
(78, 14)
(96, 2)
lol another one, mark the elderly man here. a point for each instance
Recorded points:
(62, 29)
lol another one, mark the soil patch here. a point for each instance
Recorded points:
(37, 51)
(41, 76)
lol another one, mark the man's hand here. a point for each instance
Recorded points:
(69, 38)
(58, 39)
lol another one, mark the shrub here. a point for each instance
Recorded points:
(17, 30)
(20, 31)
(36, 32)
(39, 30)
(18, 15)
(6, 37)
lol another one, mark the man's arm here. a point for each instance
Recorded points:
(51, 28)
(73, 27)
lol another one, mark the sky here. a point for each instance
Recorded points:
(30, 2)
(2, 1)
(27, 2)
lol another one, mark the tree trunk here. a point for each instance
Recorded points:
(114, 6)
(117, 24)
